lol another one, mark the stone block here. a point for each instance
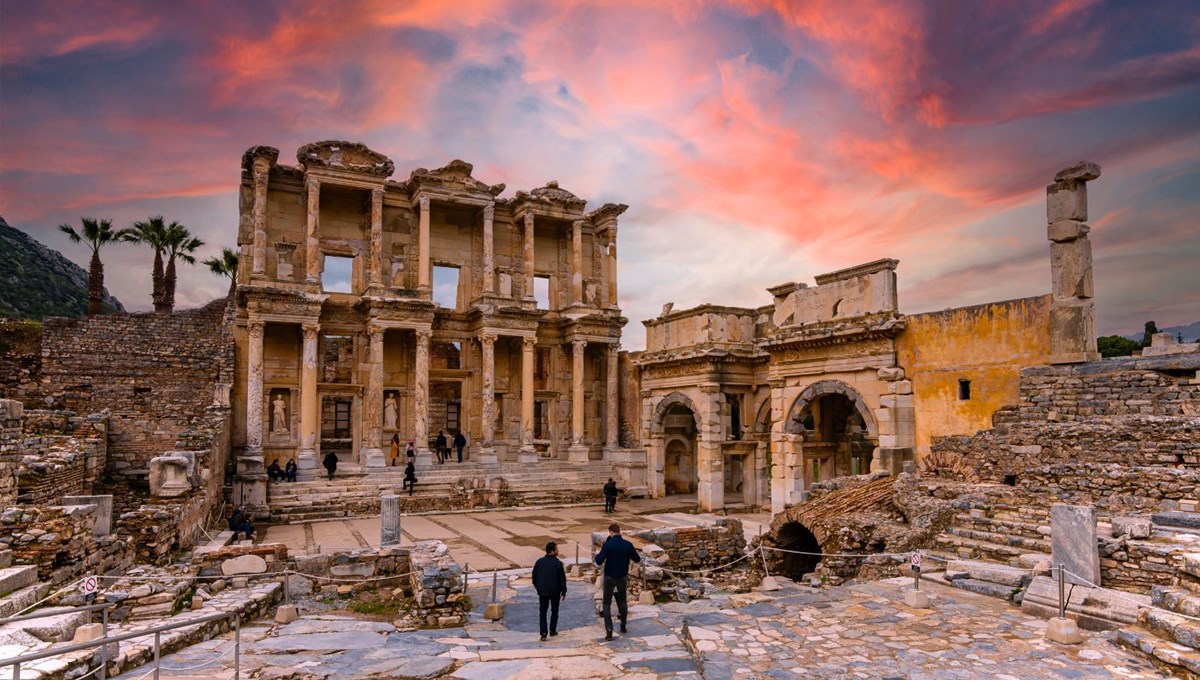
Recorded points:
(361, 569)
(1063, 231)
(54, 627)
(1189, 563)
(1063, 631)
(890, 374)
(88, 632)
(917, 599)
(16, 578)
(1083, 171)
(240, 582)
(1013, 577)
(1071, 270)
(1066, 200)
(287, 613)
(984, 588)
(244, 564)
(1073, 543)
(900, 387)
(103, 514)
(169, 476)
(1133, 527)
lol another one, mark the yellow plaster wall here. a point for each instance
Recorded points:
(987, 344)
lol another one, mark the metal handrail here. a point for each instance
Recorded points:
(16, 662)
(60, 612)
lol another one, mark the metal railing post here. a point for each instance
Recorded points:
(286, 587)
(16, 671)
(1062, 589)
(157, 639)
(495, 580)
(104, 647)
(237, 646)
(466, 573)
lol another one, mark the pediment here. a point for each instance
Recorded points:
(345, 156)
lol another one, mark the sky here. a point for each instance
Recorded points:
(756, 142)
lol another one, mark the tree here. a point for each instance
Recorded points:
(1116, 346)
(180, 244)
(96, 234)
(1148, 336)
(153, 232)
(225, 265)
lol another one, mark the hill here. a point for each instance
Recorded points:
(1189, 331)
(36, 281)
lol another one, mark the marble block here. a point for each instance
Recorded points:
(1073, 542)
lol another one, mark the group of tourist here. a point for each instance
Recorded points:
(550, 582)
(282, 474)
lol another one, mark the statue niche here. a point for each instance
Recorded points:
(281, 413)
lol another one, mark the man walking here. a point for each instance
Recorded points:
(610, 496)
(550, 581)
(443, 450)
(460, 440)
(615, 556)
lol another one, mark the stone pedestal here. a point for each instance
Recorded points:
(486, 456)
(578, 454)
(527, 456)
(389, 520)
(1063, 631)
(373, 458)
(494, 612)
(287, 613)
(917, 599)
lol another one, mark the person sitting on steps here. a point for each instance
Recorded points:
(274, 472)
(289, 472)
(410, 477)
(239, 522)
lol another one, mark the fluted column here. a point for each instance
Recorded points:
(312, 241)
(489, 264)
(578, 452)
(375, 276)
(262, 169)
(372, 452)
(423, 247)
(529, 256)
(254, 388)
(577, 262)
(612, 267)
(306, 457)
(527, 453)
(421, 398)
(487, 450)
(612, 427)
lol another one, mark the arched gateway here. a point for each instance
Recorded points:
(840, 433)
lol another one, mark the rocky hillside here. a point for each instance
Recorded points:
(36, 282)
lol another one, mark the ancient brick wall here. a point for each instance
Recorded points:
(10, 441)
(59, 541)
(153, 372)
(691, 548)
(62, 454)
(21, 361)
(437, 587)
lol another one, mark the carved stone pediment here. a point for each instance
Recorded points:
(345, 156)
(552, 194)
(270, 153)
(454, 176)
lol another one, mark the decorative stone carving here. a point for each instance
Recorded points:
(345, 156)
(279, 415)
(169, 476)
(389, 411)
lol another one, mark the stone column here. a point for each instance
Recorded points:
(389, 520)
(710, 492)
(423, 271)
(312, 241)
(254, 387)
(612, 425)
(306, 457)
(577, 262)
(489, 264)
(262, 170)
(1073, 307)
(783, 470)
(578, 451)
(487, 446)
(529, 264)
(527, 453)
(612, 267)
(372, 451)
(375, 275)
(421, 398)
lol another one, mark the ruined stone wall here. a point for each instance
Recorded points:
(59, 540)
(938, 349)
(62, 454)
(153, 372)
(704, 547)
(436, 582)
(21, 361)
(10, 441)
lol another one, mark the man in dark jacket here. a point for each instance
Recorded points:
(610, 496)
(460, 440)
(330, 462)
(550, 581)
(443, 451)
(615, 556)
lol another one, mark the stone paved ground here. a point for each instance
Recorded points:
(859, 631)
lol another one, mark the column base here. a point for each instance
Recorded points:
(486, 455)
(306, 459)
(250, 491)
(577, 454)
(424, 457)
(372, 457)
(527, 455)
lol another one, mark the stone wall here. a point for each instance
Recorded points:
(10, 442)
(59, 540)
(62, 454)
(21, 361)
(437, 587)
(153, 372)
(703, 547)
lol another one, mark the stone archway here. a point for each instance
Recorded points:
(673, 399)
(839, 431)
(823, 388)
(804, 547)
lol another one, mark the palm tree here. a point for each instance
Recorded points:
(225, 265)
(96, 234)
(180, 245)
(153, 232)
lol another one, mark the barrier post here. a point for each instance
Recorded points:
(494, 611)
(1063, 630)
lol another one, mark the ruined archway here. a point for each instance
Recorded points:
(795, 537)
(667, 404)
(838, 430)
(823, 388)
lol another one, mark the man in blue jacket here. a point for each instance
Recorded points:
(615, 556)
(550, 582)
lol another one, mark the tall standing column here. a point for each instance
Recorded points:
(612, 427)
(710, 490)
(578, 452)
(372, 452)
(612, 267)
(254, 388)
(306, 457)
(577, 262)
(376, 273)
(312, 242)
(529, 256)
(423, 247)
(487, 445)
(262, 169)
(1072, 305)
(527, 453)
(489, 246)
(421, 398)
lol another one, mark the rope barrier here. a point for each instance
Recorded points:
(712, 569)
(288, 572)
(1116, 594)
(50, 596)
(905, 555)
(199, 665)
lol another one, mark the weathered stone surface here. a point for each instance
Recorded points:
(1185, 520)
(1073, 541)
(244, 564)
(1133, 527)
(1013, 577)
(1084, 171)
(984, 588)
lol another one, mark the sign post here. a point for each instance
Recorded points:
(916, 570)
(90, 585)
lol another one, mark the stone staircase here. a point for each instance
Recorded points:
(356, 490)
(19, 586)
(1171, 638)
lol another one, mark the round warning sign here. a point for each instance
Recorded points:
(916, 560)
(90, 584)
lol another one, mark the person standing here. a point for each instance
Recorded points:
(410, 452)
(441, 446)
(394, 451)
(410, 478)
(330, 463)
(460, 441)
(616, 555)
(550, 582)
(610, 496)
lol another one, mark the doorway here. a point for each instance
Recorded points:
(337, 428)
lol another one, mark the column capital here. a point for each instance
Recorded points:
(529, 220)
(489, 211)
(579, 344)
(311, 328)
(614, 347)
(377, 194)
(312, 184)
(487, 338)
(528, 341)
(577, 225)
(256, 326)
(260, 177)
(374, 329)
(424, 334)
(423, 203)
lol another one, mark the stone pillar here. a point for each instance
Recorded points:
(489, 245)
(783, 470)
(262, 170)
(612, 267)
(710, 491)
(312, 241)
(254, 387)
(578, 451)
(529, 264)
(372, 452)
(527, 453)
(897, 419)
(612, 412)
(577, 262)
(306, 457)
(421, 398)
(375, 275)
(487, 447)
(11, 443)
(1073, 307)
(389, 520)
(423, 270)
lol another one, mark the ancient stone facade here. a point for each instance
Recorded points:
(348, 336)
(756, 405)
(62, 454)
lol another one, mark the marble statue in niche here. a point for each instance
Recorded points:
(389, 411)
(279, 421)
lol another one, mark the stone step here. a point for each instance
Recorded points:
(1184, 520)
(985, 588)
(1174, 657)
(1012, 577)
(1014, 544)
(5, 558)
(1190, 564)
(1032, 530)
(19, 600)
(969, 548)
(1173, 627)
(1176, 599)
(16, 578)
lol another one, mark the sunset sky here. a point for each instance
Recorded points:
(755, 142)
